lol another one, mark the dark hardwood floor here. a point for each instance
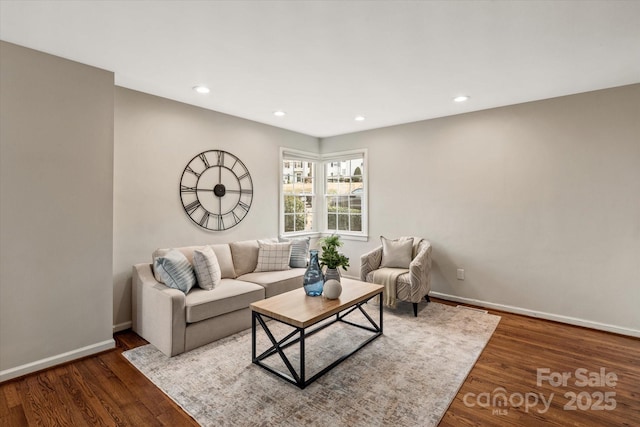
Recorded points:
(106, 390)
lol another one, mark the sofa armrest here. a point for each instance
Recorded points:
(369, 262)
(420, 269)
(159, 314)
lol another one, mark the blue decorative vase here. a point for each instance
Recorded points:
(313, 280)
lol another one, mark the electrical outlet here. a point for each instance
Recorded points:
(460, 274)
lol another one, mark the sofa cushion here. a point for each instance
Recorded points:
(299, 251)
(206, 267)
(225, 260)
(175, 270)
(228, 296)
(245, 256)
(276, 282)
(273, 256)
(223, 253)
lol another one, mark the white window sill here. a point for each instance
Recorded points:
(348, 236)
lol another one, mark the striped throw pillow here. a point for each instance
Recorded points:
(175, 270)
(205, 264)
(273, 256)
(299, 251)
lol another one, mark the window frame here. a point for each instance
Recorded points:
(341, 156)
(293, 156)
(320, 223)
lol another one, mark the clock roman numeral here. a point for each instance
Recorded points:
(236, 218)
(188, 169)
(220, 158)
(185, 189)
(204, 160)
(244, 206)
(204, 220)
(246, 174)
(242, 191)
(192, 207)
(220, 223)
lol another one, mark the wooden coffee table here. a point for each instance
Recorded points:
(302, 312)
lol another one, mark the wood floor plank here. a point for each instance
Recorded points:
(106, 390)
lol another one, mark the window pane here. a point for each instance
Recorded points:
(343, 222)
(308, 201)
(288, 223)
(356, 222)
(309, 222)
(331, 221)
(355, 204)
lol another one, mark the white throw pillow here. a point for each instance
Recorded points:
(396, 253)
(273, 256)
(205, 264)
(175, 270)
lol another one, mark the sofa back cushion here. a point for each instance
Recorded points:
(245, 255)
(222, 251)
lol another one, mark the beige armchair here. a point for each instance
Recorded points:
(411, 285)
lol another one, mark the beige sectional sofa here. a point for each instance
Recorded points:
(176, 322)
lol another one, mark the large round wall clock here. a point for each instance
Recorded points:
(216, 190)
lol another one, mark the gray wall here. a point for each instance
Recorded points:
(538, 202)
(56, 210)
(155, 138)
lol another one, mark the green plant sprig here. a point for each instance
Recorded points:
(330, 255)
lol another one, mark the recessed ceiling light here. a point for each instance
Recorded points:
(201, 89)
(461, 98)
(279, 113)
(359, 118)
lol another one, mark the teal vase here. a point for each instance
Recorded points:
(313, 281)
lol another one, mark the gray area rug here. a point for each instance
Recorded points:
(406, 377)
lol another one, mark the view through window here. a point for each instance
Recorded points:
(344, 193)
(298, 179)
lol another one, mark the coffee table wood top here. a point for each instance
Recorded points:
(298, 309)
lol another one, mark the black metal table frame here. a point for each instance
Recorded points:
(296, 378)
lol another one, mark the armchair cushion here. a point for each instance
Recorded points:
(396, 253)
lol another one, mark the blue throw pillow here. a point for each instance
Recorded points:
(175, 270)
(299, 251)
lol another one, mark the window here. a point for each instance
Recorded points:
(298, 194)
(340, 179)
(344, 194)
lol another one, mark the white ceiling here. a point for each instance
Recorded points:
(324, 62)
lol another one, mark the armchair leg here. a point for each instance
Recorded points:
(415, 309)
(427, 298)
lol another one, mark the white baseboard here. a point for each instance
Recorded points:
(39, 365)
(542, 315)
(122, 326)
